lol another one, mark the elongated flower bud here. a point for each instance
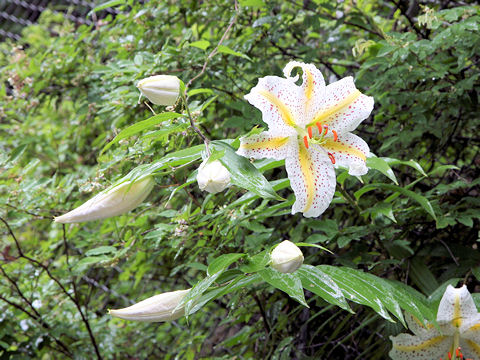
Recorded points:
(286, 257)
(111, 202)
(160, 89)
(154, 309)
(212, 177)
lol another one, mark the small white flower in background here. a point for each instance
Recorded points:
(286, 257)
(154, 309)
(160, 89)
(212, 176)
(459, 335)
(113, 201)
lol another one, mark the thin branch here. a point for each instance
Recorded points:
(57, 281)
(214, 51)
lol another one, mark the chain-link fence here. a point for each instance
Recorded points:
(15, 14)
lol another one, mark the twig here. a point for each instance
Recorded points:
(214, 51)
(349, 199)
(57, 281)
(450, 252)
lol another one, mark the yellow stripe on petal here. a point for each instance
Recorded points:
(475, 347)
(323, 115)
(307, 171)
(309, 84)
(422, 346)
(475, 327)
(282, 108)
(457, 312)
(273, 143)
(330, 144)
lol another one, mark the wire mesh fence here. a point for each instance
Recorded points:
(16, 14)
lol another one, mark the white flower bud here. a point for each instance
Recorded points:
(160, 89)
(111, 202)
(154, 309)
(212, 177)
(286, 257)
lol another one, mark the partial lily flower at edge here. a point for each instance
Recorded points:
(113, 201)
(310, 127)
(459, 324)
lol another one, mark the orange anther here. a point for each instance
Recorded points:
(310, 134)
(449, 355)
(326, 129)
(332, 158)
(305, 141)
(320, 127)
(335, 135)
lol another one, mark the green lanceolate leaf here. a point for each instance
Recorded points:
(144, 125)
(222, 262)
(244, 174)
(420, 199)
(381, 165)
(289, 283)
(315, 280)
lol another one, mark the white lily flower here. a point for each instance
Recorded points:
(212, 176)
(310, 127)
(160, 89)
(286, 257)
(157, 308)
(459, 324)
(113, 201)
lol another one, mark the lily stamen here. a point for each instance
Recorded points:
(332, 158)
(305, 141)
(326, 129)
(335, 135)
(320, 127)
(310, 133)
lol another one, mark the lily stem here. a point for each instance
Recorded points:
(349, 198)
(194, 127)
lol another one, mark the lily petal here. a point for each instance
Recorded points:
(416, 326)
(344, 106)
(470, 349)
(281, 103)
(349, 151)
(265, 145)
(313, 87)
(312, 179)
(409, 347)
(472, 329)
(455, 309)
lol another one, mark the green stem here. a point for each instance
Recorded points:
(206, 141)
(349, 199)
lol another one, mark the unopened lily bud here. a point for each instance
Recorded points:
(286, 257)
(212, 177)
(154, 309)
(160, 89)
(111, 202)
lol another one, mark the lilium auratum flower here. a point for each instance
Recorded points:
(310, 127)
(459, 333)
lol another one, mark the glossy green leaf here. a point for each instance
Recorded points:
(420, 199)
(315, 280)
(289, 283)
(381, 165)
(222, 262)
(144, 125)
(244, 174)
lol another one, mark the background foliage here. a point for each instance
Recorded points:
(398, 235)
